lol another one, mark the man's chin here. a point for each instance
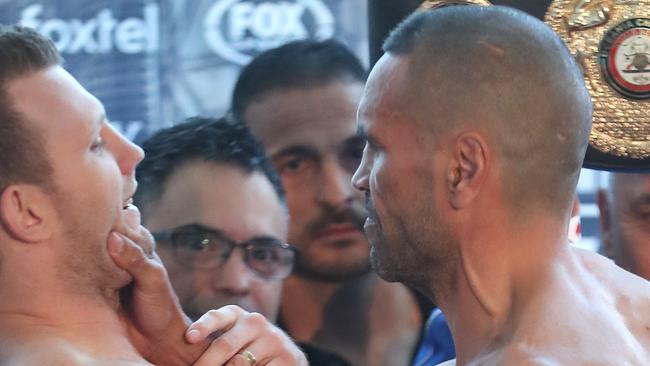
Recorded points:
(382, 267)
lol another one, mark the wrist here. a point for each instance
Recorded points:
(173, 349)
(177, 352)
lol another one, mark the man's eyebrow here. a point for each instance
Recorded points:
(363, 134)
(196, 226)
(99, 121)
(96, 126)
(295, 150)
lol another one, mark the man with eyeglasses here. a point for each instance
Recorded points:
(217, 211)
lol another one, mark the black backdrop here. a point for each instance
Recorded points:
(383, 15)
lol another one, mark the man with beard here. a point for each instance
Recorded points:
(625, 221)
(67, 238)
(477, 121)
(300, 100)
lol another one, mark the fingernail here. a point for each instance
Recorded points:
(132, 217)
(115, 244)
(193, 334)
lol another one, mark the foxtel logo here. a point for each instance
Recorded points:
(101, 34)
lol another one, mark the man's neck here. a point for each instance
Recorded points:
(50, 311)
(365, 320)
(493, 278)
(312, 301)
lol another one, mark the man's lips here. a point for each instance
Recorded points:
(129, 191)
(338, 229)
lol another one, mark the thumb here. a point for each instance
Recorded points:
(148, 274)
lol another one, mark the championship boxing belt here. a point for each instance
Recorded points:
(433, 4)
(611, 41)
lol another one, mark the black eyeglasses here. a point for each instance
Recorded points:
(198, 247)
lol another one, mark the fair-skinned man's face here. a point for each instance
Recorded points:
(93, 171)
(202, 197)
(396, 176)
(311, 137)
(625, 222)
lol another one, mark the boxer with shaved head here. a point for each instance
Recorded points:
(476, 121)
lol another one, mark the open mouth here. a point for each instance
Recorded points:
(127, 204)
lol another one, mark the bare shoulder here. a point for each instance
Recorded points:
(628, 293)
(21, 349)
(48, 352)
(527, 354)
(517, 355)
(58, 355)
(627, 287)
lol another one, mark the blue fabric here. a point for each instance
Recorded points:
(437, 344)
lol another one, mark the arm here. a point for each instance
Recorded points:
(155, 321)
(159, 328)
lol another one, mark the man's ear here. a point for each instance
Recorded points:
(23, 210)
(467, 169)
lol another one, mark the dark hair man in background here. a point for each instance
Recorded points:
(625, 221)
(217, 211)
(477, 121)
(300, 100)
(68, 237)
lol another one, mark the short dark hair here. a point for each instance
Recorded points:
(22, 51)
(297, 64)
(199, 139)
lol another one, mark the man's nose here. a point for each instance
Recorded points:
(234, 276)
(126, 153)
(132, 156)
(334, 187)
(360, 177)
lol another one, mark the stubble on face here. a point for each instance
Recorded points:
(410, 239)
(85, 186)
(310, 265)
(85, 264)
(318, 119)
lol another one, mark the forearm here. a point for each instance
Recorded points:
(174, 355)
(173, 349)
